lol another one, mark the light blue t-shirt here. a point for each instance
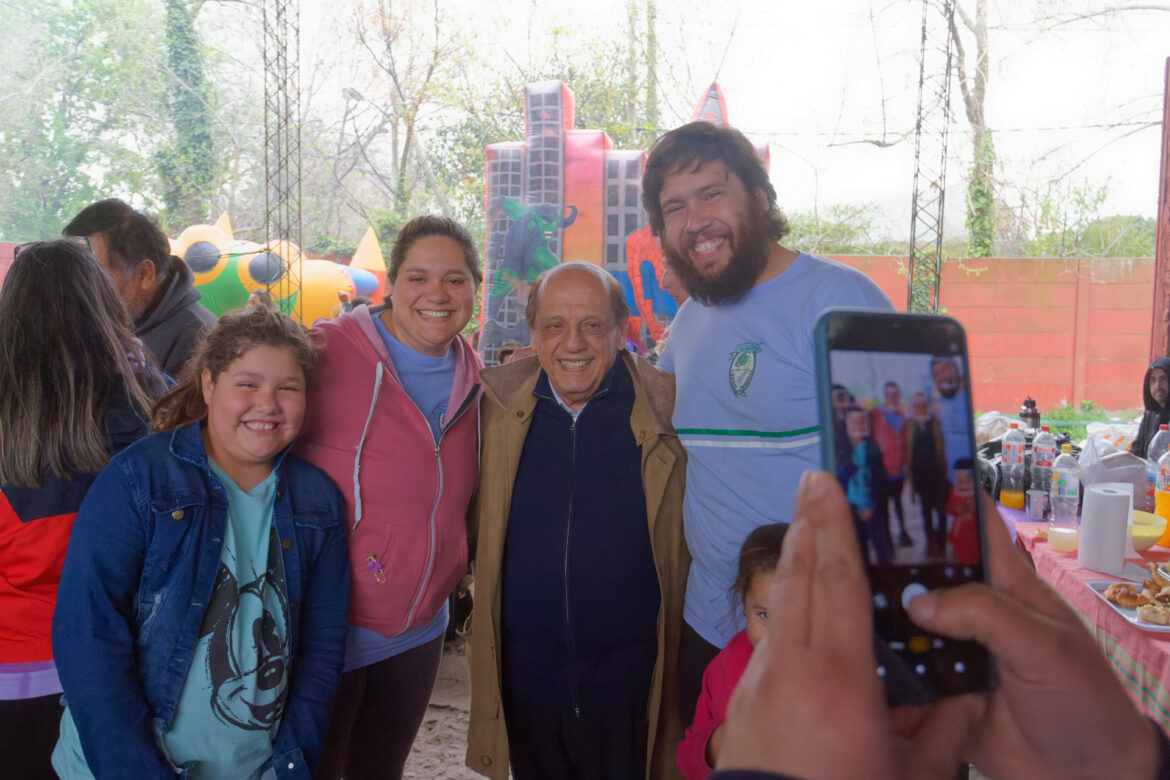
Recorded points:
(746, 411)
(956, 427)
(427, 380)
(234, 696)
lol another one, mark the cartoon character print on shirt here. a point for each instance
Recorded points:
(743, 367)
(236, 653)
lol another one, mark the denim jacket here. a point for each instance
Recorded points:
(138, 577)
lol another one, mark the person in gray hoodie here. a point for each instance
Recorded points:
(156, 286)
(1155, 392)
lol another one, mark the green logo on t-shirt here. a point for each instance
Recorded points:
(743, 367)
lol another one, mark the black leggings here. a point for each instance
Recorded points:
(376, 714)
(28, 732)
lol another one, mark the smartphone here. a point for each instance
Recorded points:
(897, 429)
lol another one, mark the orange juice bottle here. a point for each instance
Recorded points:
(1012, 499)
(1162, 496)
(1011, 492)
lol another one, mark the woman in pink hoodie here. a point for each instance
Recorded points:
(394, 423)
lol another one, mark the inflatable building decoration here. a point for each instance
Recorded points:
(565, 194)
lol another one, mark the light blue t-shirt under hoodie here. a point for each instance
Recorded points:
(746, 411)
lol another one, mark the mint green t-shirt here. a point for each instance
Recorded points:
(232, 702)
(233, 699)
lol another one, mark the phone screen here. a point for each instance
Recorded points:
(897, 430)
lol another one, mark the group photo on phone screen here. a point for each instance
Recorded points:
(903, 453)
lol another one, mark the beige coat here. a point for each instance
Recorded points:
(506, 413)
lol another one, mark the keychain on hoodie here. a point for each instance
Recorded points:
(376, 567)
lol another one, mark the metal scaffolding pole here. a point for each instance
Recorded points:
(930, 155)
(282, 153)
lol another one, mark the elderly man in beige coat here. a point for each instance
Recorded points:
(580, 561)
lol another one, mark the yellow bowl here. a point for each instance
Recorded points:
(1147, 530)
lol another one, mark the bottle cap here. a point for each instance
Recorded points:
(1015, 424)
(1066, 447)
(1044, 428)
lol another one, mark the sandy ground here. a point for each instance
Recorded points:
(442, 739)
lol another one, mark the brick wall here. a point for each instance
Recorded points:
(1059, 330)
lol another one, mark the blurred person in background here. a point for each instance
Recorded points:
(157, 287)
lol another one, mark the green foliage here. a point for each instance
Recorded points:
(79, 86)
(326, 246)
(981, 214)
(1068, 223)
(840, 229)
(386, 227)
(1120, 236)
(1067, 418)
(186, 165)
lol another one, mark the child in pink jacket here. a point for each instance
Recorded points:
(757, 561)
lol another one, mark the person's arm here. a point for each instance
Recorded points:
(692, 757)
(316, 670)
(93, 640)
(810, 705)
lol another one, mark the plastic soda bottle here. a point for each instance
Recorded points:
(1158, 447)
(1066, 494)
(1043, 456)
(1011, 492)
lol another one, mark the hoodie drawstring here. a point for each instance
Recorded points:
(357, 458)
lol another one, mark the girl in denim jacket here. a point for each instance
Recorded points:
(200, 625)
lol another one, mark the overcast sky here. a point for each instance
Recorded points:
(817, 80)
(811, 77)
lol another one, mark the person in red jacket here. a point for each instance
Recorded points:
(75, 388)
(394, 422)
(757, 560)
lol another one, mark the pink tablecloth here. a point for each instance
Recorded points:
(1140, 658)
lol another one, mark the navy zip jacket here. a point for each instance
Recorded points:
(580, 596)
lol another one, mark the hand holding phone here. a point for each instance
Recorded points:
(898, 432)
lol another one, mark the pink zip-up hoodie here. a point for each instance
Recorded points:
(406, 497)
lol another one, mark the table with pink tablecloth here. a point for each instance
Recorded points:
(1140, 658)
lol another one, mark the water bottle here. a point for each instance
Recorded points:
(1043, 456)
(1157, 448)
(1011, 492)
(1066, 494)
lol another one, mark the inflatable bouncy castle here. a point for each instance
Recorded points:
(227, 271)
(565, 194)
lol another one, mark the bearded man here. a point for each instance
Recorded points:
(742, 352)
(1156, 412)
(951, 397)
